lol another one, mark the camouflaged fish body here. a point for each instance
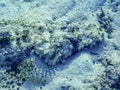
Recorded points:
(50, 42)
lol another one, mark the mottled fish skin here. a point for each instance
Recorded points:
(20, 39)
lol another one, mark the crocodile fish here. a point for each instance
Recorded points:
(47, 40)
